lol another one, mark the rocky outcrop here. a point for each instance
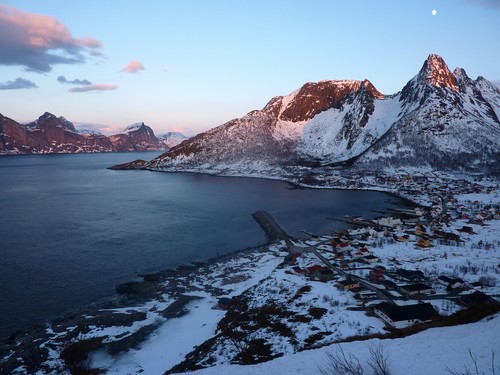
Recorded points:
(136, 164)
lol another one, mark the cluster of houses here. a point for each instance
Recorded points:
(348, 252)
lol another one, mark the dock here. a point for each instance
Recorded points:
(273, 230)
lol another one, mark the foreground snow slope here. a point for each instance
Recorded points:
(429, 352)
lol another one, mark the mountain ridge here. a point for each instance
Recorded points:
(351, 122)
(51, 134)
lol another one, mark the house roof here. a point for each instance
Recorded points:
(347, 282)
(415, 287)
(420, 311)
(315, 268)
(410, 273)
(450, 280)
(477, 298)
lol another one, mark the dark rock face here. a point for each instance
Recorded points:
(51, 134)
(263, 135)
(314, 98)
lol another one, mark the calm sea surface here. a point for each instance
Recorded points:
(71, 230)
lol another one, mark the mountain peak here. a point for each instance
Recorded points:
(134, 127)
(49, 119)
(435, 72)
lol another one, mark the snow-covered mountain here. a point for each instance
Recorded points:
(448, 121)
(51, 134)
(172, 139)
(137, 137)
(439, 119)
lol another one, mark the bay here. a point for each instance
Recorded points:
(71, 230)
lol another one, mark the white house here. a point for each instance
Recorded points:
(407, 315)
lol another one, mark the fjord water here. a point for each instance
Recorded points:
(71, 230)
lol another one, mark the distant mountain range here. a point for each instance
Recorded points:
(440, 119)
(50, 134)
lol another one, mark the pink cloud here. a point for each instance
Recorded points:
(133, 67)
(94, 87)
(31, 40)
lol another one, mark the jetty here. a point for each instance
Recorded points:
(273, 230)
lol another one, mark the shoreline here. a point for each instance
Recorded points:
(143, 306)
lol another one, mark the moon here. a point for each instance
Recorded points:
(434, 12)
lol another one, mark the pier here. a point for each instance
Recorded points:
(273, 230)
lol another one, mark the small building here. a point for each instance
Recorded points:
(377, 274)
(466, 229)
(358, 255)
(370, 259)
(324, 275)
(415, 289)
(410, 275)
(424, 242)
(475, 221)
(420, 229)
(407, 315)
(403, 238)
(313, 269)
(389, 284)
(477, 298)
(451, 282)
(348, 284)
(476, 285)
(365, 296)
(390, 222)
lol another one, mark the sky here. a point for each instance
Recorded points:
(191, 65)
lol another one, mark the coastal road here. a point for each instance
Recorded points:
(382, 294)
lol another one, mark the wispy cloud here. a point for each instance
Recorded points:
(94, 87)
(19, 83)
(37, 42)
(62, 79)
(134, 66)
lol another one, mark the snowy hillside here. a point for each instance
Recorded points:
(172, 139)
(429, 352)
(456, 123)
(332, 122)
(270, 135)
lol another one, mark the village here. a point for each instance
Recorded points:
(358, 259)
